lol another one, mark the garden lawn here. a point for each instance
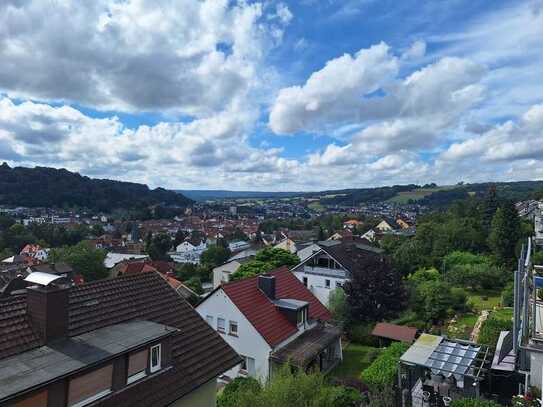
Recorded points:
(463, 326)
(355, 359)
(484, 299)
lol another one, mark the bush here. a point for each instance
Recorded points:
(477, 276)
(230, 393)
(434, 301)
(337, 304)
(361, 334)
(382, 372)
(473, 403)
(491, 328)
(459, 258)
(422, 275)
(508, 295)
(288, 389)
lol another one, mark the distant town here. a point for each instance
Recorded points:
(382, 302)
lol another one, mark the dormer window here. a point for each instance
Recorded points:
(302, 316)
(155, 358)
(137, 365)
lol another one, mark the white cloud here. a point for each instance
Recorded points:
(333, 94)
(185, 57)
(505, 142)
(415, 51)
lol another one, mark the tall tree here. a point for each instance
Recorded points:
(375, 291)
(84, 259)
(158, 246)
(215, 255)
(505, 233)
(489, 207)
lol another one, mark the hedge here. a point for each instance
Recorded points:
(382, 372)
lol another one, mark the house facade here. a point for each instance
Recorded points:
(189, 251)
(269, 320)
(330, 266)
(127, 341)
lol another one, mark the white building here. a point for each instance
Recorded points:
(188, 251)
(221, 274)
(238, 246)
(269, 320)
(330, 265)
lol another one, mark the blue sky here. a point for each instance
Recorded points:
(274, 95)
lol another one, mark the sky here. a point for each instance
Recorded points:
(298, 95)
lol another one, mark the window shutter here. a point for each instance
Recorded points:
(90, 384)
(137, 362)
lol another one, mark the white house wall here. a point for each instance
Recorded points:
(247, 343)
(221, 274)
(317, 284)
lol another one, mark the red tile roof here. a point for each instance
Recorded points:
(271, 323)
(395, 332)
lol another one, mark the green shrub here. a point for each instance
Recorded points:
(434, 301)
(361, 334)
(382, 372)
(491, 328)
(231, 392)
(422, 275)
(473, 403)
(478, 276)
(459, 258)
(508, 295)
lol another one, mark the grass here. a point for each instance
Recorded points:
(415, 195)
(484, 299)
(316, 206)
(355, 359)
(463, 326)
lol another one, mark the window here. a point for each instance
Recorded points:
(90, 387)
(302, 316)
(137, 365)
(243, 366)
(233, 328)
(37, 400)
(247, 366)
(221, 325)
(305, 281)
(327, 283)
(209, 320)
(155, 358)
(338, 284)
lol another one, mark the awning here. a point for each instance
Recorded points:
(304, 349)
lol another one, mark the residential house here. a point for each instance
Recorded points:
(288, 245)
(352, 224)
(129, 341)
(35, 251)
(221, 273)
(387, 225)
(271, 319)
(332, 265)
(112, 259)
(189, 251)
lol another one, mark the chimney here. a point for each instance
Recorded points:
(266, 283)
(47, 309)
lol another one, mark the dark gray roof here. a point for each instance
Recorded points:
(290, 303)
(301, 351)
(46, 363)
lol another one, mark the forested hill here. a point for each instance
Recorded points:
(49, 187)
